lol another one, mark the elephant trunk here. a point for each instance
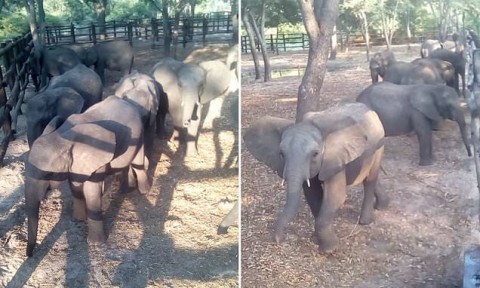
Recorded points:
(460, 119)
(295, 178)
(35, 191)
(188, 105)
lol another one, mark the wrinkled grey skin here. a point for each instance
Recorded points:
(55, 61)
(419, 108)
(421, 71)
(229, 220)
(85, 149)
(188, 87)
(114, 55)
(148, 94)
(379, 63)
(456, 60)
(42, 108)
(83, 80)
(428, 46)
(321, 155)
(80, 81)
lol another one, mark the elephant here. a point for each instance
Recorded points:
(229, 220)
(61, 102)
(188, 87)
(379, 63)
(323, 153)
(420, 71)
(456, 60)
(78, 81)
(419, 108)
(428, 46)
(148, 94)
(114, 55)
(105, 139)
(55, 61)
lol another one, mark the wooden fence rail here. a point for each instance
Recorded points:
(189, 28)
(16, 58)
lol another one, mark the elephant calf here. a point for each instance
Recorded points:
(85, 149)
(403, 108)
(321, 155)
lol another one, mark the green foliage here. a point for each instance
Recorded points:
(121, 9)
(12, 23)
(289, 28)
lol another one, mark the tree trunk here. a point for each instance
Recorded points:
(251, 41)
(266, 61)
(262, 20)
(333, 44)
(41, 22)
(409, 32)
(366, 33)
(319, 18)
(101, 12)
(37, 43)
(166, 28)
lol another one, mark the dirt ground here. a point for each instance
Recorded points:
(166, 239)
(418, 241)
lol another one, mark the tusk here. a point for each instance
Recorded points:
(308, 182)
(283, 182)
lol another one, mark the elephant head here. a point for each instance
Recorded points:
(439, 102)
(142, 90)
(379, 64)
(42, 108)
(319, 146)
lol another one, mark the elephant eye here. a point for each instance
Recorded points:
(315, 153)
(281, 155)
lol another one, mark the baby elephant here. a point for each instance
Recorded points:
(320, 156)
(85, 149)
(403, 108)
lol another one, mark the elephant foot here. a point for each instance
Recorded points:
(96, 233)
(366, 219)
(326, 242)
(381, 202)
(79, 209)
(278, 236)
(426, 162)
(222, 230)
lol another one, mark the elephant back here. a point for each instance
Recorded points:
(83, 80)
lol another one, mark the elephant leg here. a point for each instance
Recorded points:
(423, 129)
(314, 195)
(93, 197)
(160, 125)
(333, 197)
(139, 167)
(128, 181)
(100, 69)
(79, 205)
(370, 190)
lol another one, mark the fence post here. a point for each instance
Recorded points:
(130, 33)
(303, 41)
(284, 43)
(204, 29)
(114, 30)
(72, 32)
(271, 43)
(228, 24)
(94, 34)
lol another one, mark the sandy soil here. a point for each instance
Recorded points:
(417, 242)
(165, 239)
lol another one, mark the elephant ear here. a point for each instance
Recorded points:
(344, 141)
(217, 81)
(91, 56)
(53, 125)
(263, 139)
(424, 102)
(93, 147)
